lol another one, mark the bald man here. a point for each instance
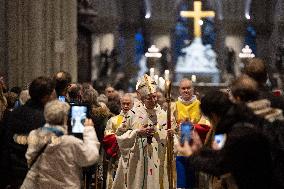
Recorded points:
(187, 108)
(126, 103)
(187, 105)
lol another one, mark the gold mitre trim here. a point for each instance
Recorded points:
(146, 85)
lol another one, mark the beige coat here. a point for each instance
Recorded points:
(59, 166)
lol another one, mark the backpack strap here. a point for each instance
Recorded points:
(38, 154)
(57, 132)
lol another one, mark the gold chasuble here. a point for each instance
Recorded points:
(188, 111)
(111, 127)
(113, 123)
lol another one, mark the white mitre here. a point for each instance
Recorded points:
(146, 85)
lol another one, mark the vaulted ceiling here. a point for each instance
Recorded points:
(129, 13)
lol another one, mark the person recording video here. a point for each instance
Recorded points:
(240, 154)
(56, 159)
(78, 116)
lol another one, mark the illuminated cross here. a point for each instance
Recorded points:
(197, 14)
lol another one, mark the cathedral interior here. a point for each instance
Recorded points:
(135, 78)
(104, 41)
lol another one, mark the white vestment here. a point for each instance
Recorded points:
(143, 165)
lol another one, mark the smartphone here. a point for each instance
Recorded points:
(220, 140)
(62, 98)
(78, 114)
(185, 129)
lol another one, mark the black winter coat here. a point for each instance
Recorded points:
(246, 153)
(21, 121)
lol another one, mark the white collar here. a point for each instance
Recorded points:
(122, 113)
(193, 98)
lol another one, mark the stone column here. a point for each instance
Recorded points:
(41, 39)
(263, 47)
(276, 39)
(3, 39)
(220, 46)
(100, 43)
(235, 42)
(95, 57)
(128, 34)
(69, 36)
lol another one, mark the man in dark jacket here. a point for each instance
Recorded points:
(246, 151)
(244, 90)
(257, 70)
(23, 120)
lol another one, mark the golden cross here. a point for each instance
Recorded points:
(197, 14)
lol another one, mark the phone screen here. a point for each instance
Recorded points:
(62, 98)
(220, 140)
(186, 128)
(78, 115)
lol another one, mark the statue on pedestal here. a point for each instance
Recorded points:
(198, 59)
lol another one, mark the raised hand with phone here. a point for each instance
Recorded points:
(88, 123)
(185, 131)
(78, 115)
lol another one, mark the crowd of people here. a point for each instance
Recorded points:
(125, 136)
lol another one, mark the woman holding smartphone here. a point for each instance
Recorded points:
(245, 154)
(55, 158)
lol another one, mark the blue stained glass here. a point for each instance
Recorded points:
(139, 46)
(250, 38)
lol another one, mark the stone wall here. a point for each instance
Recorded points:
(3, 40)
(41, 39)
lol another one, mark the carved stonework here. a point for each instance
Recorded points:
(87, 7)
(98, 15)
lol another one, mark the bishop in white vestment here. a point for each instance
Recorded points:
(142, 139)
